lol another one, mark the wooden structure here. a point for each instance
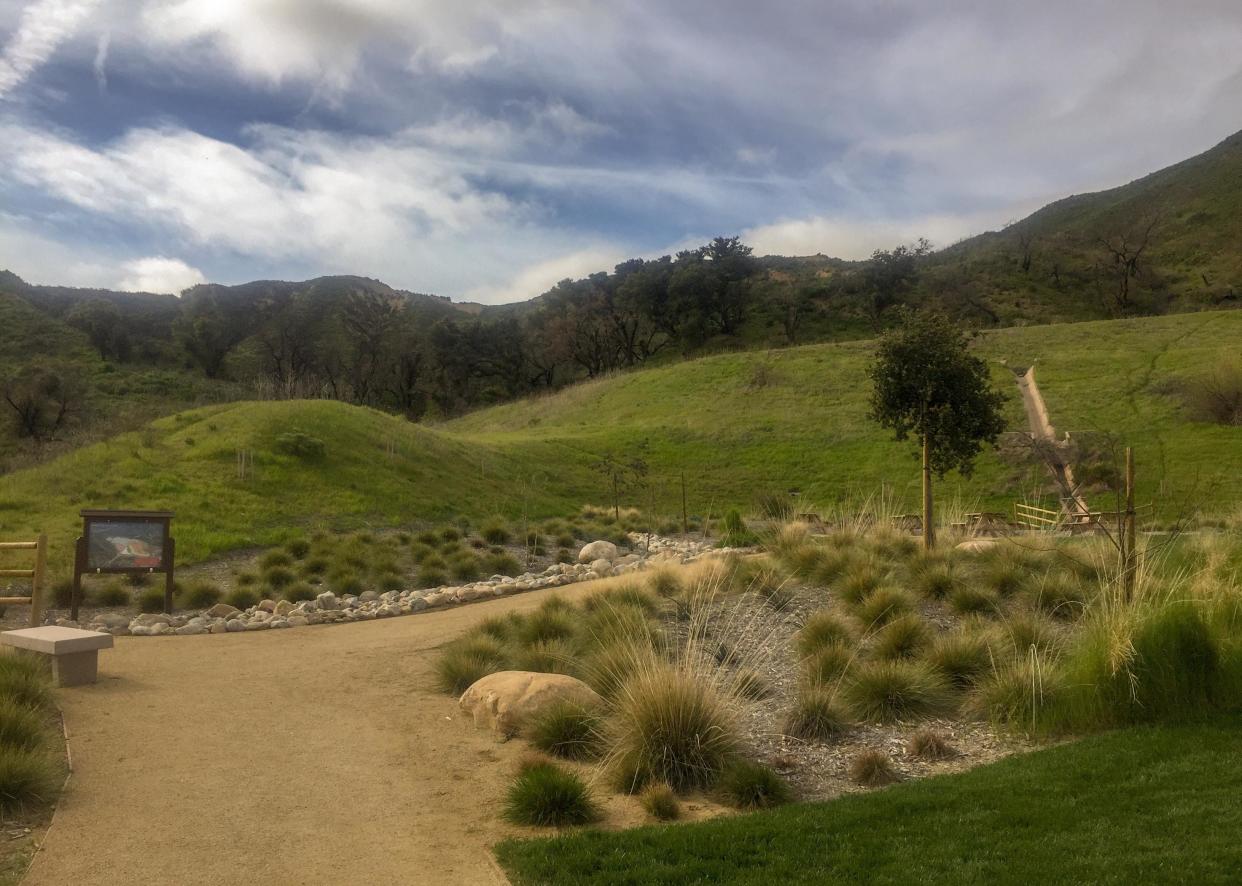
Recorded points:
(1074, 521)
(126, 543)
(37, 575)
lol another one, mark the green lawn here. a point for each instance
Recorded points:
(1152, 805)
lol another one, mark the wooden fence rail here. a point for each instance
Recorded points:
(37, 575)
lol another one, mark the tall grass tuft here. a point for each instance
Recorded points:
(885, 691)
(660, 802)
(904, 637)
(566, 729)
(466, 660)
(817, 715)
(21, 726)
(882, 606)
(545, 795)
(27, 777)
(670, 724)
(746, 784)
(872, 768)
(961, 656)
(822, 629)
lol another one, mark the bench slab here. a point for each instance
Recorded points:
(73, 654)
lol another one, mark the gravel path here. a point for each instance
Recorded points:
(281, 757)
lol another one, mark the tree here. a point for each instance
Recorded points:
(101, 321)
(622, 473)
(1120, 262)
(926, 384)
(889, 275)
(41, 398)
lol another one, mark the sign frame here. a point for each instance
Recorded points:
(81, 558)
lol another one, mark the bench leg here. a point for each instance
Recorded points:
(76, 669)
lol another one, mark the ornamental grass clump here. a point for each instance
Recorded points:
(904, 637)
(745, 784)
(27, 778)
(872, 768)
(25, 681)
(466, 660)
(886, 691)
(928, 744)
(829, 664)
(21, 726)
(203, 595)
(934, 580)
(554, 656)
(545, 795)
(817, 715)
(969, 599)
(151, 600)
(1020, 693)
(113, 594)
(1060, 595)
(299, 591)
(961, 656)
(882, 606)
(660, 802)
(822, 629)
(672, 724)
(566, 729)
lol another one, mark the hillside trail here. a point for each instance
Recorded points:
(319, 755)
(1043, 432)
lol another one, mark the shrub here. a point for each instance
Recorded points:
(277, 577)
(464, 567)
(566, 729)
(872, 768)
(545, 795)
(300, 445)
(62, 593)
(961, 656)
(1019, 693)
(884, 691)
(775, 506)
(275, 558)
(745, 784)
(114, 594)
(450, 533)
(299, 591)
(928, 744)
(246, 579)
(390, 581)
(431, 577)
(27, 778)
(429, 538)
(934, 581)
(466, 660)
(137, 579)
(501, 564)
(21, 726)
(670, 725)
(151, 600)
(969, 599)
(315, 566)
(1216, 396)
(660, 802)
(828, 664)
(297, 548)
(24, 681)
(450, 549)
(1170, 674)
(883, 605)
(495, 532)
(736, 535)
(816, 716)
(1058, 594)
(565, 540)
(242, 598)
(203, 595)
(903, 637)
(345, 583)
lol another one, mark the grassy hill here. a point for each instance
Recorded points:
(736, 425)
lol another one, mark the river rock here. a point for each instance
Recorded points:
(598, 550)
(222, 610)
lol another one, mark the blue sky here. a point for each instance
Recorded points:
(484, 150)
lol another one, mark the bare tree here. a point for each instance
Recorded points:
(1122, 262)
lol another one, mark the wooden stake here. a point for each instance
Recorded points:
(1129, 548)
(37, 582)
(929, 532)
(685, 517)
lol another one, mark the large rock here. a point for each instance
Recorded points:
(598, 550)
(505, 700)
(601, 567)
(222, 610)
(977, 545)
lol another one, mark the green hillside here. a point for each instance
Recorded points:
(736, 425)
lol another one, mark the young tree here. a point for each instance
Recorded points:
(622, 473)
(926, 384)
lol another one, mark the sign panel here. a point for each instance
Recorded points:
(124, 544)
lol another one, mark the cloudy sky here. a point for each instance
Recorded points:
(484, 149)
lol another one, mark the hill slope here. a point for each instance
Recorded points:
(735, 425)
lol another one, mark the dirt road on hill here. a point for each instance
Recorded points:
(317, 755)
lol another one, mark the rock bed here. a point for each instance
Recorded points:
(597, 560)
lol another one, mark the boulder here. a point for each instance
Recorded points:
(327, 600)
(267, 605)
(976, 545)
(598, 550)
(601, 567)
(284, 607)
(505, 700)
(222, 610)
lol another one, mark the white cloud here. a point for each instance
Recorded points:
(538, 278)
(100, 64)
(44, 26)
(856, 238)
(158, 273)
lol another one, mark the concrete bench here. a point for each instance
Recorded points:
(72, 654)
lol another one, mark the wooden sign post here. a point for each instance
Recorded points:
(125, 543)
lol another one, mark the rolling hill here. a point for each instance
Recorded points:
(736, 425)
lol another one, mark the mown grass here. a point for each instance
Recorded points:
(1140, 806)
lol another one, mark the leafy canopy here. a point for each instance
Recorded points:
(925, 382)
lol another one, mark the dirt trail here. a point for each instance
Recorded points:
(307, 756)
(1043, 431)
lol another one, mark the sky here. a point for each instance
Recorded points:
(485, 150)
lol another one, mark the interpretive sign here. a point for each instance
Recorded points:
(124, 542)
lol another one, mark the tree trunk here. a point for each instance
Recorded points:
(929, 532)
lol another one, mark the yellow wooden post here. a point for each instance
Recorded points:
(38, 582)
